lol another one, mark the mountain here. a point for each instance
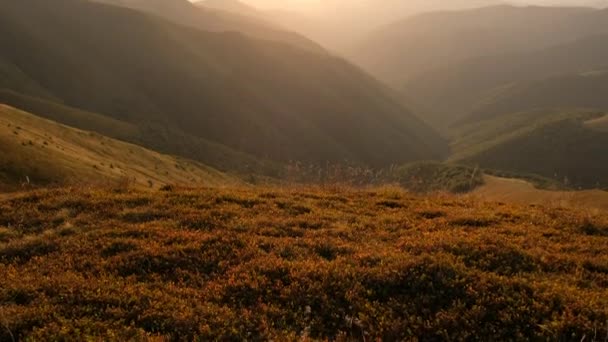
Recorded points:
(584, 90)
(153, 136)
(340, 25)
(42, 152)
(449, 61)
(566, 146)
(454, 91)
(400, 51)
(206, 18)
(264, 98)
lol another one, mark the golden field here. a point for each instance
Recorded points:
(312, 263)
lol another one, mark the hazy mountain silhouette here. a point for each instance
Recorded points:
(186, 13)
(449, 61)
(264, 98)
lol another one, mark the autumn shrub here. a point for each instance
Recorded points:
(300, 263)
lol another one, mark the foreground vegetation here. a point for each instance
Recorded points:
(262, 263)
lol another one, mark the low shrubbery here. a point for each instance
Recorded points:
(265, 263)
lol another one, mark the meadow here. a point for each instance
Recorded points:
(298, 263)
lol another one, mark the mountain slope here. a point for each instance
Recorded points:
(43, 152)
(556, 145)
(152, 136)
(259, 97)
(586, 90)
(454, 91)
(449, 61)
(183, 12)
(399, 52)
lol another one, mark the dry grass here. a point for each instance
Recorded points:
(520, 191)
(301, 263)
(51, 153)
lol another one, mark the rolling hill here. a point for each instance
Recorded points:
(401, 51)
(584, 90)
(453, 92)
(553, 144)
(152, 136)
(41, 152)
(268, 99)
(449, 61)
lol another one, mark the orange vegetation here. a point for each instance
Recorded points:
(302, 263)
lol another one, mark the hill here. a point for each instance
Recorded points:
(152, 136)
(455, 91)
(556, 145)
(509, 190)
(263, 98)
(39, 152)
(585, 90)
(227, 17)
(445, 38)
(265, 263)
(450, 61)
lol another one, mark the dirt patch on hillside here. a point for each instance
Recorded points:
(519, 191)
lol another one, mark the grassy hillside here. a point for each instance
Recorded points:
(586, 90)
(264, 264)
(259, 97)
(557, 145)
(510, 190)
(45, 152)
(153, 136)
(453, 92)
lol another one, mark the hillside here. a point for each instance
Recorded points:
(264, 263)
(585, 90)
(218, 19)
(445, 38)
(152, 136)
(450, 61)
(556, 145)
(41, 152)
(509, 190)
(220, 87)
(453, 92)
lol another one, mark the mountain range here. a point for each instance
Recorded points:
(449, 61)
(272, 100)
